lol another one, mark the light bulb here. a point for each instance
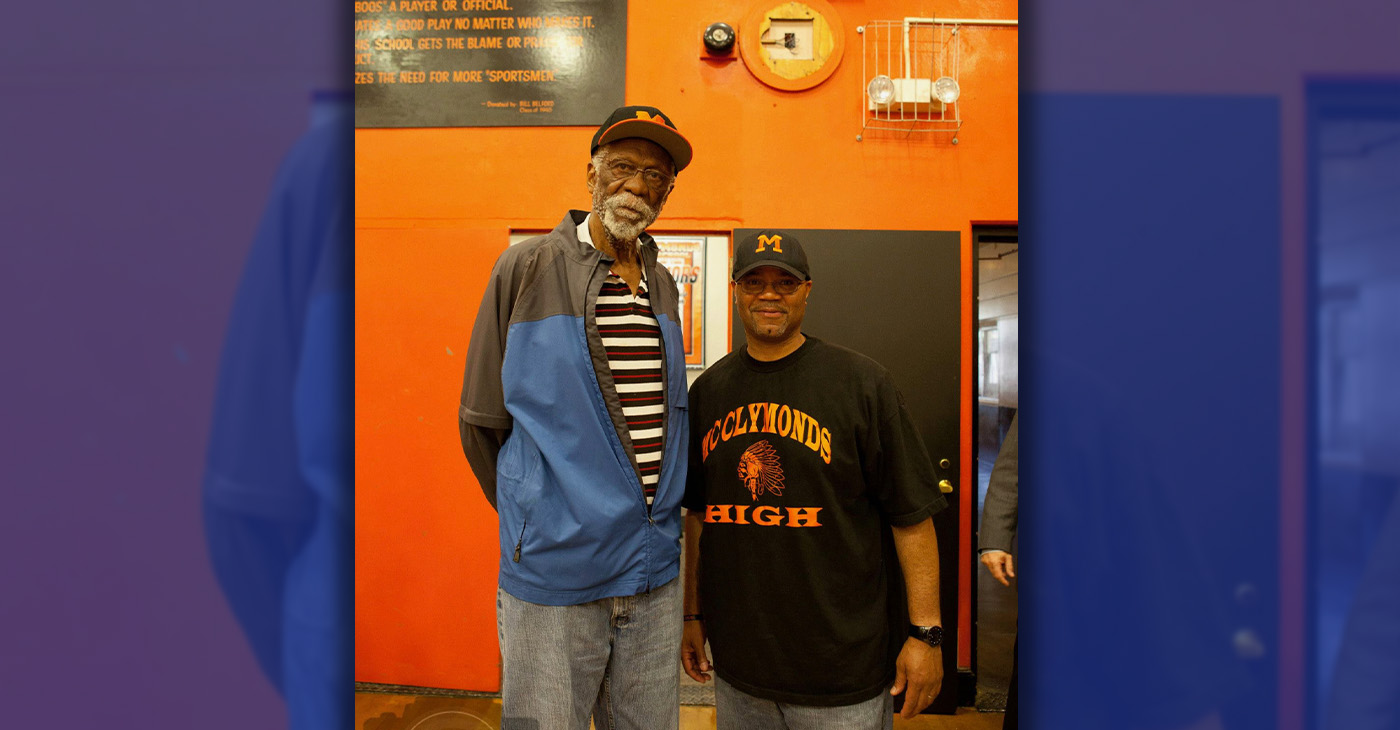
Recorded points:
(946, 89)
(880, 89)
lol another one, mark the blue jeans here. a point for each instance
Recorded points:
(617, 659)
(736, 710)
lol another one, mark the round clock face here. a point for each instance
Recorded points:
(792, 46)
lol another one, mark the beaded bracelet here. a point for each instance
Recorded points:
(694, 617)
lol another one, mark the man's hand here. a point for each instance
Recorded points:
(693, 659)
(918, 673)
(1000, 564)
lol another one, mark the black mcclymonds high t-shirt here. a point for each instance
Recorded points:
(800, 467)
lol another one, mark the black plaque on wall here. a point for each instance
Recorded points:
(488, 63)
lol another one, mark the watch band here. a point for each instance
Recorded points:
(931, 635)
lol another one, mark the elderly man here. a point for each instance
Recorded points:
(811, 558)
(573, 420)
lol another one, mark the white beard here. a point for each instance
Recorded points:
(622, 227)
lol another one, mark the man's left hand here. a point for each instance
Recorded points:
(918, 673)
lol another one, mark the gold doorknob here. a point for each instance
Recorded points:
(945, 486)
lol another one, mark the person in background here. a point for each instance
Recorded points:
(996, 539)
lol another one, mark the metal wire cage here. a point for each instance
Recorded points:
(904, 65)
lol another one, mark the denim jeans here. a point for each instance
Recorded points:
(617, 659)
(735, 710)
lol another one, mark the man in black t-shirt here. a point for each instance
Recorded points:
(811, 558)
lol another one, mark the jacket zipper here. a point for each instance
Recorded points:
(521, 541)
(665, 419)
(665, 389)
(665, 376)
(665, 397)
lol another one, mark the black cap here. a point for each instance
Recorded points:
(771, 248)
(646, 122)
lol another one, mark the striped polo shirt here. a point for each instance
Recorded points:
(632, 340)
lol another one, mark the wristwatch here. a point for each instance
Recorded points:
(931, 635)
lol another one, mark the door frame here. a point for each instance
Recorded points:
(981, 232)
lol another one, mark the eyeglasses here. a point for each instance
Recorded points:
(752, 285)
(655, 179)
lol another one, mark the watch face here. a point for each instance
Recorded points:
(931, 635)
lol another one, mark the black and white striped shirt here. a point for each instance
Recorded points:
(632, 339)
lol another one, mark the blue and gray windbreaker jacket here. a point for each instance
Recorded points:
(574, 525)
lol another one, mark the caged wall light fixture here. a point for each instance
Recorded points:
(912, 69)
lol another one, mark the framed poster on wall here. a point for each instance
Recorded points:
(684, 257)
(488, 63)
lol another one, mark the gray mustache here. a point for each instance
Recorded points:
(630, 201)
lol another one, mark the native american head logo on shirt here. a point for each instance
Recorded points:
(760, 469)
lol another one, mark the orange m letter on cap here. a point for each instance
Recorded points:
(645, 116)
(765, 241)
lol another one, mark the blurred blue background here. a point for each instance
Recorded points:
(139, 145)
(1211, 339)
(1354, 434)
(1151, 355)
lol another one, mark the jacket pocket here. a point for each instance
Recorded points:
(518, 488)
(519, 457)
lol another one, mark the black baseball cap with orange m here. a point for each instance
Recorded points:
(646, 122)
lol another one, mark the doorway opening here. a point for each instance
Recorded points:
(996, 390)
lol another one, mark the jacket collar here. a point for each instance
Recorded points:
(568, 230)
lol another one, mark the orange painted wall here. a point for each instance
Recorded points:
(434, 208)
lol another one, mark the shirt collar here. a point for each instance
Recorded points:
(584, 234)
